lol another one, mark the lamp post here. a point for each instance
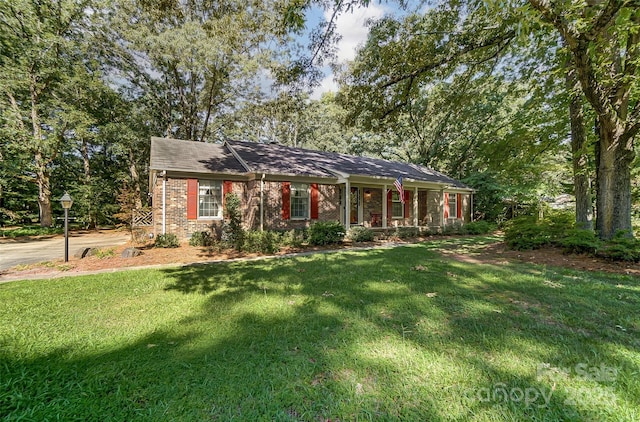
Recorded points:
(66, 202)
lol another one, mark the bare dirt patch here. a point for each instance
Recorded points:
(498, 254)
(492, 253)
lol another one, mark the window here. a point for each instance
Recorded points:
(209, 199)
(299, 200)
(397, 207)
(453, 206)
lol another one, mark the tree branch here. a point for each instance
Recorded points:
(501, 40)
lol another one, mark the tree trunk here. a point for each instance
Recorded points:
(44, 191)
(84, 151)
(135, 179)
(579, 153)
(42, 173)
(613, 202)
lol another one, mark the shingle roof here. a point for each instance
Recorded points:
(192, 157)
(274, 158)
(199, 157)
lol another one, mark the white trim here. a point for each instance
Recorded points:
(384, 205)
(415, 206)
(164, 202)
(220, 215)
(262, 203)
(308, 216)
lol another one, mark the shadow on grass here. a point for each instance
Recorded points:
(398, 334)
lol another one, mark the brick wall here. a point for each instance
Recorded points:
(249, 193)
(429, 213)
(328, 206)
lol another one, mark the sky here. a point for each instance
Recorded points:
(352, 27)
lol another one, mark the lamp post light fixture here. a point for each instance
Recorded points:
(66, 202)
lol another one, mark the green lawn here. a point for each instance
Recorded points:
(398, 334)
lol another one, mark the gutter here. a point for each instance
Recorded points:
(262, 202)
(164, 202)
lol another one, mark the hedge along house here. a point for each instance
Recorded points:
(283, 188)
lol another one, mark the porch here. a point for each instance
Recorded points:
(380, 207)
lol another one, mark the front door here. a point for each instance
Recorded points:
(355, 205)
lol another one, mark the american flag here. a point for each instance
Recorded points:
(398, 185)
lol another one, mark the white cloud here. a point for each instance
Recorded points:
(352, 27)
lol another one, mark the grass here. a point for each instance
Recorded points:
(398, 334)
(35, 230)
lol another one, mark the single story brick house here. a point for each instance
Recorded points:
(283, 188)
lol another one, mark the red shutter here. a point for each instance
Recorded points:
(459, 206)
(407, 203)
(389, 204)
(286, 200)
(227, 187)
(446, 205)
(192, 199)
(314, 201)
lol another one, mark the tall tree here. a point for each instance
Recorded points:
(38, 50)
(194, 60)
(580, 153)
(604, 41)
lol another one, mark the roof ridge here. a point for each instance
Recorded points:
(237, 156)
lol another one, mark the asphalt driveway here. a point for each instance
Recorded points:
(28, 251)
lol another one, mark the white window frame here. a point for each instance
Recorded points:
(302, 188)
(395, 199)
(453, 200)
(209, 184)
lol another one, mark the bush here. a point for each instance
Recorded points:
(580, 241)
(406, 232)
(524, 233)
(361, 234)
(478, 227)
(326, 233)
(558, 224)
(621, 248)
(232, 231)
(168, 240)
(293, 238)
(201, 239)
(452, 228)
(261, 241)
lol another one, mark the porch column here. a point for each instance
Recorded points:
(471, 207)
(415, 206)
(384, 206)
(347, 205)
(442, 219)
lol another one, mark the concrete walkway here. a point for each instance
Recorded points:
(29, 251)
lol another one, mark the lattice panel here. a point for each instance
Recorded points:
(142, 218)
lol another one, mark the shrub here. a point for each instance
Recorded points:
(326, 233)
(361, 234)
(104, 253)
(168, 240)
(406, 232)
(261, 241)
(293, 238)
(558, 224)
(621, 248)
(478, 227)
(232, 231)
(525, 233)
(201, 239)
(452, 228)
(580, 241)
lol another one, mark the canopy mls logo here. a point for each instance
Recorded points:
(579, 384)
(581, 371)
